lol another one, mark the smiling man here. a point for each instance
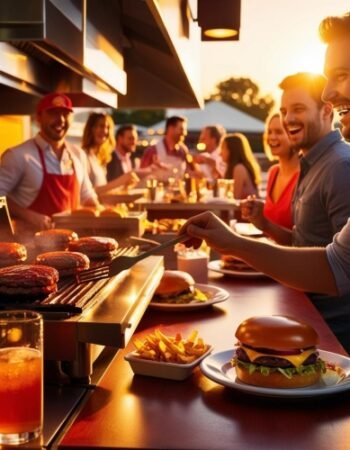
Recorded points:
(320, 208)
(335, 31)
(311, 269)
(46, 175)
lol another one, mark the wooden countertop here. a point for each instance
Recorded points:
(127, 411)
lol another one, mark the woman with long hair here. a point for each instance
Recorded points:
(242, 166)
(282, 176)
(98, 142)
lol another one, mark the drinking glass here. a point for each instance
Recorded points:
(151, 185)
(21, 376)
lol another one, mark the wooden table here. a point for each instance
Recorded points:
(127, 411)
(159, 210)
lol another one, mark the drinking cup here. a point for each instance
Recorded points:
(196, 264)
(221, 188)
(21, 376)
(151, 185)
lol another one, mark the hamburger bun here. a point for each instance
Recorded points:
(95, 247)
(110, 212)
(67, 263)
(230, 262)
(12, 253)
(173, 284)
(85, 212)
(28, 280)
(54, 239)
(277, 352)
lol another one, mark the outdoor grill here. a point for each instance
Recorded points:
(80, 321)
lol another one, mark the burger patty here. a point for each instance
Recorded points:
(159, 297)
(273, 361)
(11, 253)
(28, 276)
(95, 247)
(64, 260)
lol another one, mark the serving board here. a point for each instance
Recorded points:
(132, 224)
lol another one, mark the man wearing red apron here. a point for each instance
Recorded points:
(46, 174)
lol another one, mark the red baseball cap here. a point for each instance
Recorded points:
(54, 100)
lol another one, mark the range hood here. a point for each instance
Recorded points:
(135, 53)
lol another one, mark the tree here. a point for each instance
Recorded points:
(243, 93)
(138, 116)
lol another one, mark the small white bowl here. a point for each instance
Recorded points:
(161, 369)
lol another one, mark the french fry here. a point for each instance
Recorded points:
(159, 347)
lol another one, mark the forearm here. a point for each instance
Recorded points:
(306, 269)
(282, 236)
(40, 221)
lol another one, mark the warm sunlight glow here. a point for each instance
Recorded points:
(310, 59)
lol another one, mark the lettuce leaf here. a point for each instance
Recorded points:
(287, 372)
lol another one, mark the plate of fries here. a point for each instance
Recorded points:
(171, 357)
(204, 295)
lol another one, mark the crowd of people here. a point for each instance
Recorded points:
(306, 209)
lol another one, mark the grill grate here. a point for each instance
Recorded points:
(70, 298)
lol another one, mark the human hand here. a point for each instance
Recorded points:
(130, 178)
(252, 210)
(208, 227)
(40, 221)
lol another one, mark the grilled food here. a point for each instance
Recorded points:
(28, 280)
(12, 253)
(54, 239)
(67, 263)
(95, 247)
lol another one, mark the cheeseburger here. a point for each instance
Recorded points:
(277, 352)
(175, 286)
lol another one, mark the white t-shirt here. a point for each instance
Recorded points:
(220, 164)
(21, 173)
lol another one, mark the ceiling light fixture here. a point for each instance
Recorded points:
(219, 19)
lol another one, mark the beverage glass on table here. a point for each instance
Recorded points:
(221, 188)
(151, 185)
(21, 376)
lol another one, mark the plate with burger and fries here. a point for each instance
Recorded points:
(177, 291)
(277, 356)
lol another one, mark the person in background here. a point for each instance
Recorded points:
(281, 177)
(46, 174)
(311, 269)
(241, 165)
(169, 157)
(98, 143)
(210, 161)
(120, 163)
(319, 205)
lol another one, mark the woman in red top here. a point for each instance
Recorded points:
(282, 177)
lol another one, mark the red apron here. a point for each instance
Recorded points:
(57, 193)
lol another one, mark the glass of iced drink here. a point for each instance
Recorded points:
(21, 376)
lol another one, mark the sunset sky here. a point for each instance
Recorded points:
(277, 38)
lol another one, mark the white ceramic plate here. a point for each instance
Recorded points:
(216, 294)
(218, 368)
(162, 369)
(216, 267)
(247, 229)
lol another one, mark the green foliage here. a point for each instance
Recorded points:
(138, 116)
(243, 94)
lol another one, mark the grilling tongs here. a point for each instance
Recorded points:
(123, 262)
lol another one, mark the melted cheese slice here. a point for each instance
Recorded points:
(296, 360)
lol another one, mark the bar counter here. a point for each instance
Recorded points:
(136, 412)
